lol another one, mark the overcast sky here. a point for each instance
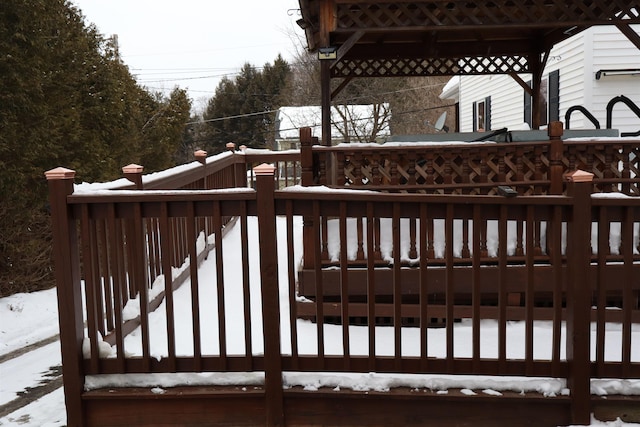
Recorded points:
(193, 43)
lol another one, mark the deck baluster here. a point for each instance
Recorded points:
(413, 252)
(424, 291)
(168, 249)
(344, 284)
(376, 232)
(465, 253)
(371, 288)
(325, 238)
(519, 231)
(92, 285)
(601, 286)
(359, 230)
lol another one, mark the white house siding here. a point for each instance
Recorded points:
(506, 109)
(569, 58)
(612, 50)
(577, 59)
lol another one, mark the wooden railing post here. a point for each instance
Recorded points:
(306, 157)
(579, 294)
(556, 153)
(242, 180)
(201, 157)
(67, 275)
(307, 180)
(133, 173)
(270, 295)
(239, 167)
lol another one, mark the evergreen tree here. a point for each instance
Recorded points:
(162, 131)
(243, 109)
(66, 99)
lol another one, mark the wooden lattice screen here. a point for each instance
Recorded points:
(382, 39)
(481, 12)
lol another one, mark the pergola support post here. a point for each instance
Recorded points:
(325, 99)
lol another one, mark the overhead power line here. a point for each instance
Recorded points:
(186, 78)
(237, 116)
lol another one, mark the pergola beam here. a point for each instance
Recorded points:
(341, 86)
(630, 33)
(522, 83)
(453, 37)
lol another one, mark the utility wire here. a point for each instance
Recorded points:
(238, 116)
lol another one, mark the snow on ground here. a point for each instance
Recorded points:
(47, 411)
(15, 379)
(27, 318)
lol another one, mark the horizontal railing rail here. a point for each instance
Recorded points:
(231, 169)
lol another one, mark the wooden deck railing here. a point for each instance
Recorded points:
(564, 275)
(475, 168)
(502, 244)
(126, 246)
(110, 270)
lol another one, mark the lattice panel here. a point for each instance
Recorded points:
(430, 66)
(482, 13)
(452, 170)
(606, 162)
(474, 169)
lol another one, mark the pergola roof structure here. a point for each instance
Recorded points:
(450, 37)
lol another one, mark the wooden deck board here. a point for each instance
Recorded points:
(244, 406)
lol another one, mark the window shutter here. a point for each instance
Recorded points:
(487, 113)
(527, 106)
(474, 114)
(554, 96)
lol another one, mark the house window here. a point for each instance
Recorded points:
(544, 102)
(549, 102)
(482, 115)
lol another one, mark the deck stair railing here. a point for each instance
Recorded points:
(630, 104)
(110, 270)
